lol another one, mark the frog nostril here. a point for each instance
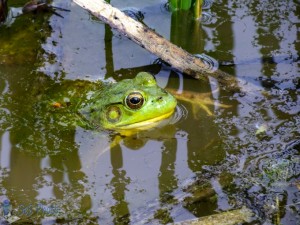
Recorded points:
(157, 99)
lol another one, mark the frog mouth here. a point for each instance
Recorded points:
(146, 124)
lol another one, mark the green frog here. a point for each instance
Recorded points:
(131, 104)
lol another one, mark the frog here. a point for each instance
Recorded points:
(130, 104)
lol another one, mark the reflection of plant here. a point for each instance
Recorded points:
(163, 215)
(3, 10)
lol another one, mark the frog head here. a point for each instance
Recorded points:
(130, 104)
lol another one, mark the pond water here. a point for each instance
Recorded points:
(222, 150)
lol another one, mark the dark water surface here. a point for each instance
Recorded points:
(222, 151)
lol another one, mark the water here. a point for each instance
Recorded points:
(220, 151)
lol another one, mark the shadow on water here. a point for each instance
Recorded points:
(218, 152)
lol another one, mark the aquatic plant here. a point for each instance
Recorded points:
(195, 5)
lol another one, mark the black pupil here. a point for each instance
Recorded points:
(135, 100)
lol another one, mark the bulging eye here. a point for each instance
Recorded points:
(134, 100)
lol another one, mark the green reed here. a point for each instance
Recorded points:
(194, 5)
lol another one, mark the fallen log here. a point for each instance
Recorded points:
(156, 44)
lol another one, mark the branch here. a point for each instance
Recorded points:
(155, 43)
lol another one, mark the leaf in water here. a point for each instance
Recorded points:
(261, 128)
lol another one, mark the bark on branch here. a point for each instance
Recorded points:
(155, 43)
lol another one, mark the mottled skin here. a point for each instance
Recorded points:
(127, 105)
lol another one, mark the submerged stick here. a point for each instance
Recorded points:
(156, 44)
(233, 217)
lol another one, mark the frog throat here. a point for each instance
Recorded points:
(146, 123)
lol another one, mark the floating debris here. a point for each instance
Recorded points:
(6, 212)
(261, 128)
(225, 218)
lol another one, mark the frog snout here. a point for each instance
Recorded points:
(158, 99)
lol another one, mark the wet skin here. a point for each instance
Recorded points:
(129, 104)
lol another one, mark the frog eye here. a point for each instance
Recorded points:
(134, 100)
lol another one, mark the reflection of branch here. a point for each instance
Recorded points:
(156, 44)
(3, 10)
(41, 6)
(133, 71)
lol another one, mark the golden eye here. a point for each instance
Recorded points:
(134, 100)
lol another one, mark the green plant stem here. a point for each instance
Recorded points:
(198, 9)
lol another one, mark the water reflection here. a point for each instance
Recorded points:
(3, 10)
(193, 41)
(99, 177)
(187, 32)
(44, 155)
(32, 136)
(119, 181)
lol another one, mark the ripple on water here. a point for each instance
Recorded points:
(207, 4)
(211, 63)
(180, 114)
(206, 18)
(134, 13)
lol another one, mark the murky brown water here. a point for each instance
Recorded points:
(225, 151)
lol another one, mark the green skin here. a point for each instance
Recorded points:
(129, 104)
